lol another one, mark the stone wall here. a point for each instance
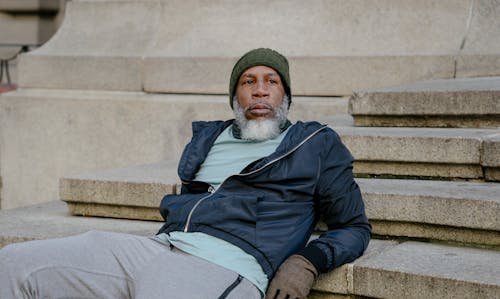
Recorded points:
(334, 46)
(105, 90)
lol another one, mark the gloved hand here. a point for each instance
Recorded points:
(293, 279)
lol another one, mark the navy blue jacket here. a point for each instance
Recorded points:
(270, 209)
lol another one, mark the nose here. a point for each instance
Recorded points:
(260, 89)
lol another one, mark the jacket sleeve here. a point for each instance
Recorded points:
(342, 209)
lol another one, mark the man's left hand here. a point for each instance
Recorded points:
(293, 280)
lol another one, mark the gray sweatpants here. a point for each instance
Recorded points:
(112, 265)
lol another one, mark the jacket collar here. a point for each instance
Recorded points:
(206, 132)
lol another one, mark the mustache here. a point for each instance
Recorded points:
(253, 105)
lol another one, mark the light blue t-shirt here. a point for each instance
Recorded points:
(227, 156)
(230, 155)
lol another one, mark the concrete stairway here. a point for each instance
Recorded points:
(105, 91)
(453, 226)
(426, 210)
(424, 152)
(447, 152)
(47, 134)
(121, 81)
(436, 239)
(388, 269)
(462, 212)
(436, 103)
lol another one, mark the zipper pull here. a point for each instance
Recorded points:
(211, 189)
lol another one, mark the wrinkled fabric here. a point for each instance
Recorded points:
(270, 209)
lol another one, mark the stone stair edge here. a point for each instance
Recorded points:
(484, 83)
(174, 74)
(435, 270)
(465, 102)
(468, 201)
(458, 102)
(74, 93)
(425, 145)
(50, 220)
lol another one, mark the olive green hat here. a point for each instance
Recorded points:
(261, 56)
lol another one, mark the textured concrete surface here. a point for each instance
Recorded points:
(140, 186)
(332, 53)
(94, 39)
(418, 170)
(463, 212)
(340, 280)
(491, 150)
(478, 53)
(492, 174)
(460, 204)
(130, 193)
(436, 233)
(316, 75)
(419, 270)
(431, 121)
(469, 102)
(114, 211)
(386, 270)
(491, 158)
(51, 220)
(89, 130)
(426, 145)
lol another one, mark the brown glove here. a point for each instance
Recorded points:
(293, 279)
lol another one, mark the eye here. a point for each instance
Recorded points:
(247, 82)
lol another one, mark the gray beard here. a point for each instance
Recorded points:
(260, 130)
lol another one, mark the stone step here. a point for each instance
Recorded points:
(424, 152)
(47, 134)
(168, 46)
(462, 212)
(466, 102)
(52, 220)
(388, 269)
(132, 192)
(434, 210)
(418, 270)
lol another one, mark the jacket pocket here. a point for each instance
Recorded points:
(234, 214)
(283, 227)
(175, 208)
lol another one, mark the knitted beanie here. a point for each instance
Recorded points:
(261, 56)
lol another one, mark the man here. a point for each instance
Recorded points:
(253, 189)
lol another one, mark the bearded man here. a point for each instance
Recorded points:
(253, 189)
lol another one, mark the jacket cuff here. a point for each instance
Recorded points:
(317, 256)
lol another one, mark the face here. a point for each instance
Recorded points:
(260, 92)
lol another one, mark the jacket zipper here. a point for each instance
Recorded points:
(212, 190)
(186, 227)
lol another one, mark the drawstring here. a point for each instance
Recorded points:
(231, 287)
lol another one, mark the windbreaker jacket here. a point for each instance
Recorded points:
(271, 207)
